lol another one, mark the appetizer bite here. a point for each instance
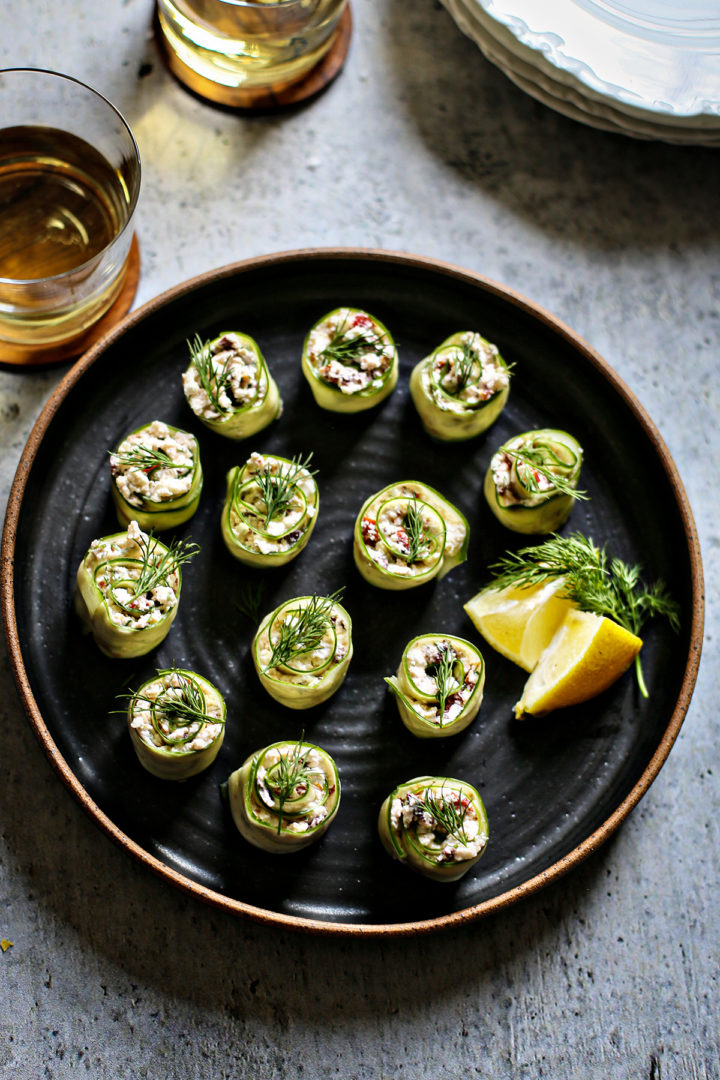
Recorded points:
(531, 482)
(578, 628)
(350, 361)
(302, 650)
(435, 825)
(284, 797)
(407, 534)
(128, 589)
(438, 685)
(461, 388)
(156, 477)
(177, 723)
(229, 387)
(270, 509)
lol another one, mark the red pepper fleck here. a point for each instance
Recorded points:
(362, 320)
(369, 529)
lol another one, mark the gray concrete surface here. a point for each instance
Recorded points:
(420, 145)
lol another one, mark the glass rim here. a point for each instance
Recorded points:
(136, 195)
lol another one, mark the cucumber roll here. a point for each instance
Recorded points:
(302, 650)
(407, 534)
(285, 796)
(461, 388)
(350, 361)
(128, 589)
(156, 477)
(531, 482)
(177, 723)
(435, 825)
(270, 509)
(229, 387)
(438, 685)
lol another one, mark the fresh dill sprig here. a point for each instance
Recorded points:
(464, 365)
(448, 815)
(418, 542)
(156, 572)
(179, 706)
(290, 774)
(251, 594)
(148, 460)
(278, 489)
(346, 349)
(592, 580)
(443, 671)
(212, 381)
(303, 630)
(532, 461)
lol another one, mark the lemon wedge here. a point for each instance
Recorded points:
(587, 654)
(520, 622)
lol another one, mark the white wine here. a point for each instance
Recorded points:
(61, 203)
(250, 44)
(61, 206)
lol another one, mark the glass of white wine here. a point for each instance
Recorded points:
(232, 50)
(69, 185)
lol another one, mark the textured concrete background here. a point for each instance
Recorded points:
(422, 146)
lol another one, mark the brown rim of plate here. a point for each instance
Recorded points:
(454, 919)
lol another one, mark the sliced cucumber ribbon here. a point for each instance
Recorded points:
(177, 723)
(285, 796)
(156, 477)
(229, 387)
(532, 480)
(438, 685)
(461, 388)
(262, 535)
(407, 534)
(302, 650)
(128, 589)
(435, 825)
(349, 360)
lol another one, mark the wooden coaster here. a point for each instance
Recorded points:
(56, 353)
(270, 97)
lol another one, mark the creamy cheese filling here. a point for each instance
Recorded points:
(283, 531)
(237, 378)
(320, 784)
(115, 579)
(139, 483)
(175, 738)
(409, 812)
(444, 382)
(370, 361)
(421, 662)
(505, 478)
(311, 667)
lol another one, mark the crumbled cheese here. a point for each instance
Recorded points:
(157, 484)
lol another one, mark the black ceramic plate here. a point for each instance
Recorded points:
(553, 788)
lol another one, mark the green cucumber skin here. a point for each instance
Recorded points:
(118, 642)
(265, 836)
(294, 696)
(159, 517)
(393, 846)
(385, 579)
(167, 765)
(329, 397)
(256, 558)
(547, 516)
(249, 419)
(442, 424)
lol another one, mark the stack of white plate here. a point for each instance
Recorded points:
(645, 68)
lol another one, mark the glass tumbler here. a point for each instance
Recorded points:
(223, 46)
(69, 186)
